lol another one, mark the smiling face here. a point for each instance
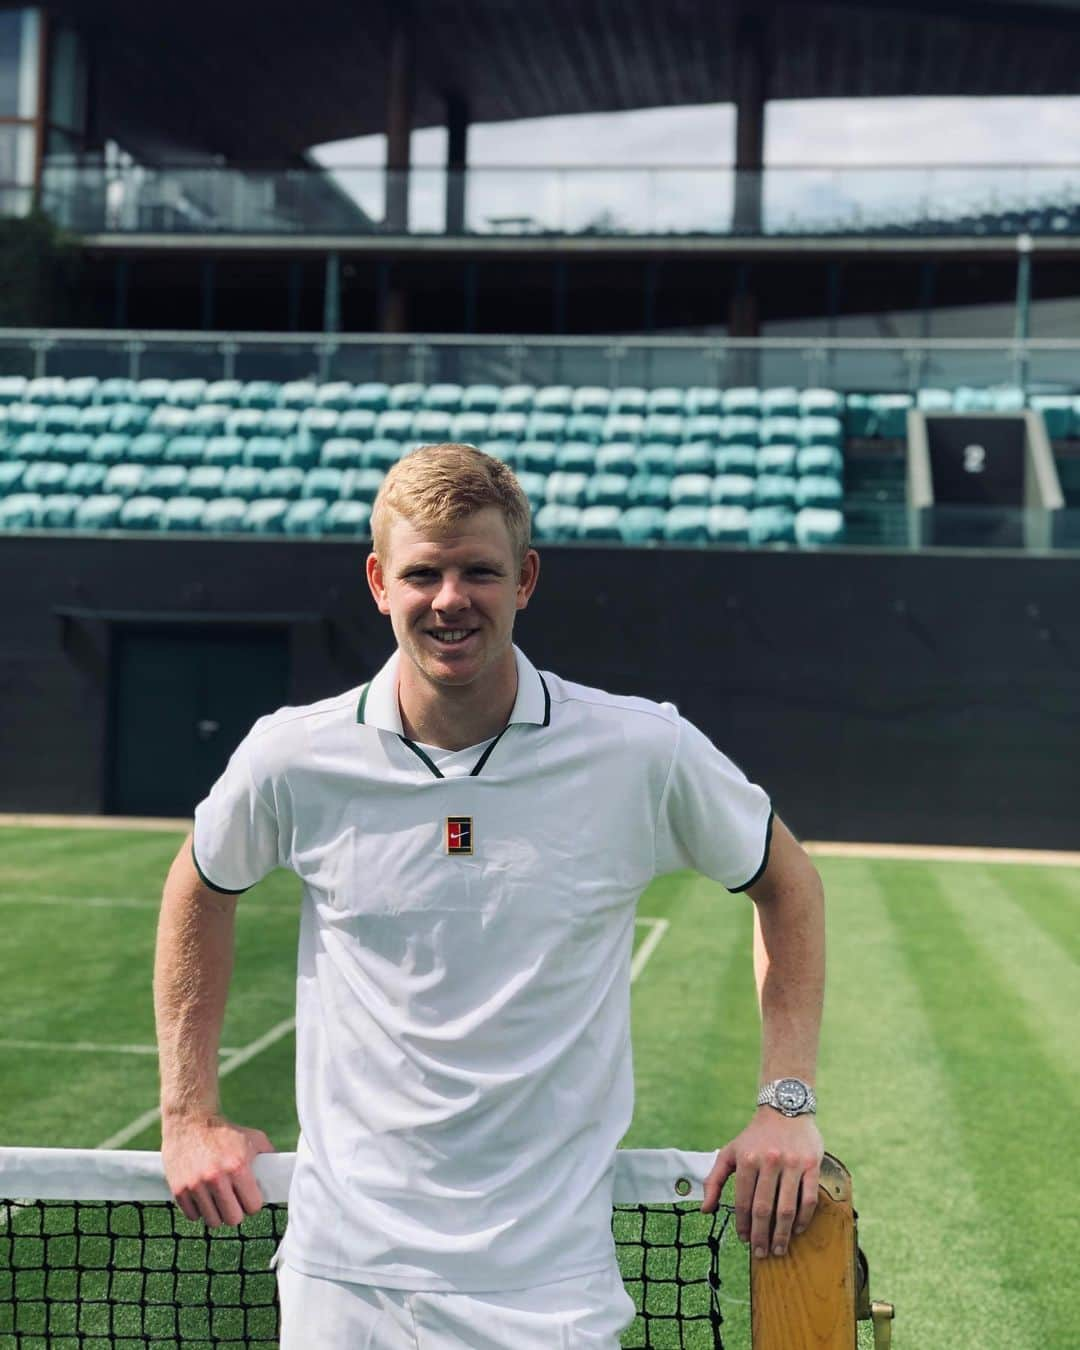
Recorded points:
(452, 593)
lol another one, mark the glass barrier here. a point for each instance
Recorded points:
(90, 197)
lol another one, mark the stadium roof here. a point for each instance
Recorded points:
(262, 82)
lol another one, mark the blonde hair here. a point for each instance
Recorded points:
(439, 484)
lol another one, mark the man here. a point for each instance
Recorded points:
(472, 836)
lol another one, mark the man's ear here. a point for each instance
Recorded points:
(377, 582)
(527, 578)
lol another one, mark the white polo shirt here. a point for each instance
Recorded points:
(463, 998)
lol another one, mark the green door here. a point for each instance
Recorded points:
(182, 699)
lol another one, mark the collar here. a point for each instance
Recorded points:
(378, 706)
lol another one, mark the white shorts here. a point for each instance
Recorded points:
(585, 1313)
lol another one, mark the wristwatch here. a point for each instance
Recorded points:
(789, 1096)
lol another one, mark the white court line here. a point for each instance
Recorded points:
(235, 1061)
(89, 1047)
(658, 928)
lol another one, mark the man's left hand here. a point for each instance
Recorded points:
(776, 1161)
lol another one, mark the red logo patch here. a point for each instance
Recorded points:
(459, 834)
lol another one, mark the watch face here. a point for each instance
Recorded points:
(790, 1094)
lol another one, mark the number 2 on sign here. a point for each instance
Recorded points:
(974, 458)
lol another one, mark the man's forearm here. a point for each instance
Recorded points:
(192, 968)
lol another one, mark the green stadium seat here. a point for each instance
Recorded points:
(700, 401)
(641, 524)
(656, 459)
(206, 480)
(934, 400)
(244, 482)
(431, 426)
(443, 398)
(814, 528)
(71, 447)
(738, 459)
(480, 398)
(151, 392)
(545, 426)
(11, 475)
(45, 478)
(618, 457)
(13, 388)
(508, 426)
(728, 524)
(691, 489)
(629, 399)
(738, 430)
(141, 513)
(394, 425)
(317, 426)
(697, 457)
(7, 445)
(288, 481)
(129, 419)
(888, 415)
(336, 396)
(96, 419)
(343, 453)
(1057, 413)
(470, 428)
(734, 489)
(821, 431)
(100, 511)
(591, 398)
(1007, 399)
(187, 393)
(371, 396)
(326, 484)
(282, 422)
(576, 457)
(534, 486)
(567, 489)
(266, 516)
(772, 525)
(362, 485)
(358, 424)
(20, 511)
(46, 390)
(165, 481)
(821, 403)
(741, 402)
(585, 426)
(110, 448)
(553, 398)
(186, 450)
(650, 489)
(34, 445)
(296, 395)
(124, 481)
(537, 456)
(183, 513)
(777, 459)
(224, 451)
(23, 417)
(116, 390)
(225, 515)
(623, 427)
(504, 451)
(348, 518)
(687, 524)
(556, 521)
(817, 491)
(779, 402)
(517, 398)
(245, 422)
(778, 430)
(60, 417)
(148, 447)
(608, 489)
(665, 427)
(306, 517)
(405, 397)
(858, 418)
(820, 459)
(665, 401)
(57, 511)
(268, 452)
(258, 395)
(775, 489)
(383, 455)
(208, 420)
(600, 522)
(224, 393)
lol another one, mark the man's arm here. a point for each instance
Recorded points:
(207, 1159)
(776, 1160)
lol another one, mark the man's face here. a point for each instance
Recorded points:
(452, 594)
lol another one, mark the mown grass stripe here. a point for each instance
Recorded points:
(1051, 900)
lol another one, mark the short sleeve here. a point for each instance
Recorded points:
(236, 828)
(712, 818)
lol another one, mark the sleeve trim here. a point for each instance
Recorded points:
(222, 890)
(735, 890)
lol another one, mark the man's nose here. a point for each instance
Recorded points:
(452, 594)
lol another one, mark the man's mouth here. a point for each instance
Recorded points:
(450, 637)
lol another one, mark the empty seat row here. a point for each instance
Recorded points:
(578, 489)
(885, 415)
(690, 525)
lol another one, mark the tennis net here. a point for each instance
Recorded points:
(95, 1255)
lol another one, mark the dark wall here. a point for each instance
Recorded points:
(892, 697)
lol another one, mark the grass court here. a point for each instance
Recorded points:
(949, 1078)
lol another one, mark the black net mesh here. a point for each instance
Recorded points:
(77, 1275)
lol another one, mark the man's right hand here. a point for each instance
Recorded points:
(208, 1167)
